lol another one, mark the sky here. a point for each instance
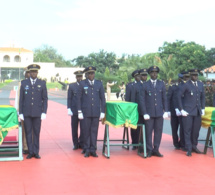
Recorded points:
(80, 27)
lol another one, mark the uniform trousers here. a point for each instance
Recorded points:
(32, 126)
(74, 123)
(156, 124)
(191, 125)
(90, 132)
(174, 125)
(135, 133)
(24, 141)
(182, 141)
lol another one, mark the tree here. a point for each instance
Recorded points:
(189, 54)
(49, 54)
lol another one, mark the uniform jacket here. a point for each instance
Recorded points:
(72, 97)
(91, 99)
(153, 100)
(33, 100)
(172, 98)
(135, 95)
(194, 98)
(128, 92)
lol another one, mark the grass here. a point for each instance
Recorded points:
(5, 83)
(53, 85)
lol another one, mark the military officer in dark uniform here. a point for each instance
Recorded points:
(186, 77)
(32, 108)
(73, 112)
(91, 108)
(192, 107)
(143, 75)
(154, 104)
(136, 87)
(172, 102)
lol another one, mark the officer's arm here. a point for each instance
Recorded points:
(141, 100)
(21, 99)
(143, 95)
(127, 93)
(79, 96)
(102, 98)
(133, 91)
(181, 92)
(164, 99)
(169, 96)
(45, 98)
(203, 97)
(69, 97)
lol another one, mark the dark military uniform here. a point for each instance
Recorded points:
(193, 103)
(90, 102)
(72, 104)
(33, 102)
(128, 91)
(154, 104)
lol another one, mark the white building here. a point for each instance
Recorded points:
(13, 61)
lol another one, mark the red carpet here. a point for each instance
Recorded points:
(64, 171)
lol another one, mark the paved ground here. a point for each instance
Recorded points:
(64, 171)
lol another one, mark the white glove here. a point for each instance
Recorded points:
(21, 116)
(169, 114)
(203, 112)
(178, 113)
(165, 115)
(80, 116)
(102, 115)
(146, 116)
(184, 113)
(43, 116)
(70, 112)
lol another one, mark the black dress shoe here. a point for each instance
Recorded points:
(83, 151)
(37, 156)
(25, 152)
(134, 147)
(184, 149)
(177, 147)
(196, 150)
(94, 154)
(75, 147)
(157, 153)
(87, 154)
(29, 156)
(149, 154)
(189, 153)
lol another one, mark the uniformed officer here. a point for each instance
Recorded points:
(24, 142)
(186, 77)
(78, 142)
(192, 107)
(91, 108)
(136, 87)
(32, 108)
(172, 106)
(143, 75)
(154, 104)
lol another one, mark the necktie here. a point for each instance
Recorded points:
(195, 84)
(91, 83)
(33, 82)
(154, 83)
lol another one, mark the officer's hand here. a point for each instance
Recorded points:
(178, 113)
(165, 115)
(80, 116)
(70, 112)
(184, 113)
(146, 116)
(203, 112)
(21, 116)
(102, 115)
(43, 116)
(169, 114)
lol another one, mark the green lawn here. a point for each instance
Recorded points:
(53, 85)
(5, 83)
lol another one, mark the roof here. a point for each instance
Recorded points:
(210, 69)
(13, 49)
